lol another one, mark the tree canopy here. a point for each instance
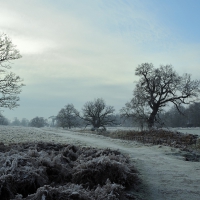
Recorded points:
(156, 88)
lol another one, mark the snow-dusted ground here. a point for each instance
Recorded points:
(165, 175)
(195, 131)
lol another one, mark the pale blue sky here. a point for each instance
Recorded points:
(74, 51)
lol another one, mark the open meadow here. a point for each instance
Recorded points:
(156, 171)
(76, 76)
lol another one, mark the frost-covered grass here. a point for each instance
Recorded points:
(195, 130)
(13, 134)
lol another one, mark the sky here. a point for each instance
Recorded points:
(74, 51)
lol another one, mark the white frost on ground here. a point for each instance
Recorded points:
(195, 131)
(166, 176)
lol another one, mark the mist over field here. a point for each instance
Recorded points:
(99, 100)
(74, 52)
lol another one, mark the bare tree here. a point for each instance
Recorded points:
(10, 84)
(97, 113)
(193, 115)
(16, 122)
(3, 120)
(135, 110)
(174, 117)
(159, 86)
(67, 117)
(38, 122)
(24, 122)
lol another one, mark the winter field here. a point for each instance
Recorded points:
(163, 170)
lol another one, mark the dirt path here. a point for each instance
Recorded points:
(166, 176)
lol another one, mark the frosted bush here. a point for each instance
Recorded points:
(53, 171)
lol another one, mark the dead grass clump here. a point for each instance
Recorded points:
(53, 171)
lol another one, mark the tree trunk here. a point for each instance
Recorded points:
(142, 126)
(96, 124)
(152, 117)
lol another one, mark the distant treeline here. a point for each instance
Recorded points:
(181, 117)
(185, 117)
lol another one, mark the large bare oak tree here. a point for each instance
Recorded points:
(97, 113)
(10, 84)
(156, 88)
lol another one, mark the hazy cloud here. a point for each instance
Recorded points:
(75, 51)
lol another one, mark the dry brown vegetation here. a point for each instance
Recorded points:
(160, 136)
(47, 171)
(154, 136)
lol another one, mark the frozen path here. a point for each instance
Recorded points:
(165, 176)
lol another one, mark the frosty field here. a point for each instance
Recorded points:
(163, 170)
